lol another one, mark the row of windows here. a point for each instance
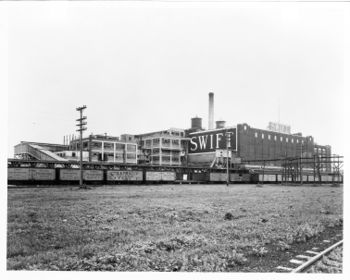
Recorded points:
(320, 150)
(281, 138)
(111, 156)
(157, 151)
(165, 141)
(165, 158)
(175, 133)
(108, 146)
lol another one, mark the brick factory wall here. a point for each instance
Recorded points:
(270, 145)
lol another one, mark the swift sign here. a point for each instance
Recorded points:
(212, 140)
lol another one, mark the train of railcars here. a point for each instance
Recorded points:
(25, 172)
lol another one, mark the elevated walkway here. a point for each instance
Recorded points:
(33, 151)
(43, 153)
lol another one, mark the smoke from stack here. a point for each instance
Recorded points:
(211, 111)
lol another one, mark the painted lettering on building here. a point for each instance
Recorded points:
(210, 141)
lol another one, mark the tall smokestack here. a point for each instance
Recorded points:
(211, 111)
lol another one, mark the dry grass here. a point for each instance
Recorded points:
(162, 228)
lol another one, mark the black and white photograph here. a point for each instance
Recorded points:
(196, 138)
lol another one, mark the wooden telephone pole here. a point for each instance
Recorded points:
(228, 146)
(81, 124)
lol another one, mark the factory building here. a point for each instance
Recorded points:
(242, 143)
(209, 147)
(107, 148)
(194, 146)
(166, 147)
(256, 143)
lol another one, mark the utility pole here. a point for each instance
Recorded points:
(301, 167)
(81, 124)
(263, 177)
(314, 167)
(228, 145)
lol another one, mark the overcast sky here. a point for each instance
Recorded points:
(141, 67)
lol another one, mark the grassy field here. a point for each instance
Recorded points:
(163, 227)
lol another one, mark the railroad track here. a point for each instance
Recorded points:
(313, 261)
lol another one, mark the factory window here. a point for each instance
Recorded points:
(166, 142)
(297, 140)
(175, 142)
(99, 157)
(262, 135)
(281, 138)
(166, 152)
(256, 135)
(119, 156)
(108, 145)
(287, 139)
(96, 145)
(73, 154)
(155, 151)
(155, 141)
(166, 158)
(119, 146)
(108, 156)
(245, 127)
(148, 143)
(130, 156)
(269, 136)
(175, 159)
(292, 140)
(302, 141)
(131, 148)
(275, 137)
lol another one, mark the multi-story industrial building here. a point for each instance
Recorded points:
(243, 143)
(166, 147)
(108, 148)
(262, 144)
(250, 144)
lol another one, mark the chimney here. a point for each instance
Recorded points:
(211, 111)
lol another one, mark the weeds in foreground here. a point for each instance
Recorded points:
(154, 228)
